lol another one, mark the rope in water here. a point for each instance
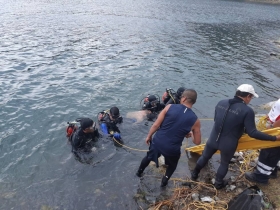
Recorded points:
(140, 149)
(129, 147)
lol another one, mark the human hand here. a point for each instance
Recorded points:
(269, 126)
(190, 134)
(117, 136)
(278, 138)
(148, 140)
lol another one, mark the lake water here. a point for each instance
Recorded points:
(64, 59)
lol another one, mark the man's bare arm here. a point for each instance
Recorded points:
(157, 124)
(196, 132)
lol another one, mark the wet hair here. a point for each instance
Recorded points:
(180, 91)
(243, 94)
(86, 123)
(114, 111)
(191, 95)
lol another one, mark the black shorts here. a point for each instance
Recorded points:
(153, 154)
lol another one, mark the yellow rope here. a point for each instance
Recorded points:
(181, 195)
(261, 123)
(129, 147)
(248, 157)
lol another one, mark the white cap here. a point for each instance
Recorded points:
(247, 88)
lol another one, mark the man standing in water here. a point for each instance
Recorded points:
(175, 122)
(231, 117)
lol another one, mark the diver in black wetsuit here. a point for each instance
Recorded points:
(152, 104)
(108, 121)
(231, 117)
(172, 97)
(83, 138)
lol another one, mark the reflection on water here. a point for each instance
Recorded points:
(61, 60)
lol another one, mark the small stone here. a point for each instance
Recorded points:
(161, 160)
(239, 184)
(232, 187)
(273, 54)
(252, 164)
(216, 198)
(233, 160)
(162, 208)
(240, 158)
(151, 199)
(239, 190)
(195, 196)
(236, 154)
(232, 178)
(227, 188)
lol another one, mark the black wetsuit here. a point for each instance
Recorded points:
(172, 100)
(111, 124)
(83, 141)
(154, 110)
(231, 117)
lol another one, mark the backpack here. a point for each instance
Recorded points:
(70, 129)
(249, 199)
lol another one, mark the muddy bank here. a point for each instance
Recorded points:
(182, 193)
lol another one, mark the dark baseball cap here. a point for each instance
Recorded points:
(86, 123)
(115, 112)
(152, 98)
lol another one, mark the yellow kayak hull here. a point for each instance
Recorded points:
(246, 142)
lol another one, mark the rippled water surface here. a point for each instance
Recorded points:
(66, 59)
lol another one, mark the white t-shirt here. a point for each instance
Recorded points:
(274, 114)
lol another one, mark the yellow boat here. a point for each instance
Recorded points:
(246, 142)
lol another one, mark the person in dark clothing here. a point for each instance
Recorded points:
(231, 117)
(268, 158)
(108, 121)
(172, 97)
(153, 106)
(175, 122)
(82, 139)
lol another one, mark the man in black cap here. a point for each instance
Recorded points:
(108, 121)
(153, 106)
(83, 138)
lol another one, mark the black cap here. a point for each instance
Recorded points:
(86, 123)
(115, 112)
(152, 98)
(180, 91)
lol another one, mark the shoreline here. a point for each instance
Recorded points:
(265, 1)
